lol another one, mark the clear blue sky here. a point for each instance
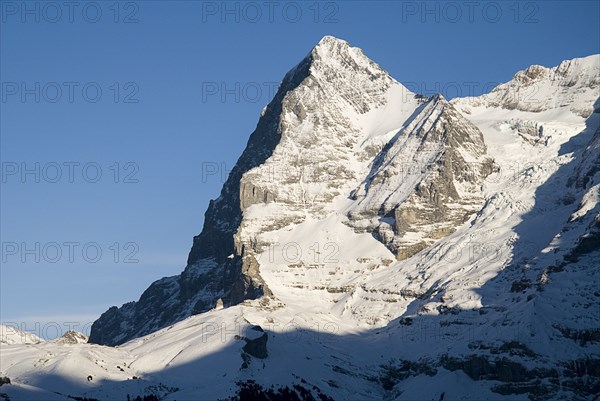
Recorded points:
(168, 117)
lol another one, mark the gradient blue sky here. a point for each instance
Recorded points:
(174, 54)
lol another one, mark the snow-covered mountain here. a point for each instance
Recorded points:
(371, 243)
(12, 335)
(72, 337)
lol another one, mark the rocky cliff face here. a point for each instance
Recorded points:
(425, 182)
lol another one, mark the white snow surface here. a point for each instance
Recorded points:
(12, 335)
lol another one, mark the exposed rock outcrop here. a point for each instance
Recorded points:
(425, 182)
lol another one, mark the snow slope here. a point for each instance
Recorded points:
(12, 335)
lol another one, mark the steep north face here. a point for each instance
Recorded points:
(342, 146)
(338, 122)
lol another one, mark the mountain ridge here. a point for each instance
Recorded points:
(305, 277)
(223, 264)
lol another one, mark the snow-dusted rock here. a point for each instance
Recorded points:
(574, 84)
(72, 337)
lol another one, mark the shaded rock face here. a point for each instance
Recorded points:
(589, 167)
(580, 376)
(425, 182)
(257, 347)
(251, 391)
(585, 179)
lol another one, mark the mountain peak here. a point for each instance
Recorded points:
(335, 53)
(72, 337)
(331, 42)
(331, 49)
